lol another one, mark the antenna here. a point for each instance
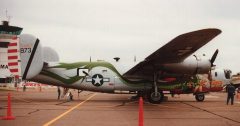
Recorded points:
(135, 59)
(90, 59)
(6, 13)
(8, 17)
(116, 59)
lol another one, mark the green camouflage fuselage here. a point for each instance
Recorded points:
(104, 77)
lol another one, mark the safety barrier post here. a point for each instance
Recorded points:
(140, 118)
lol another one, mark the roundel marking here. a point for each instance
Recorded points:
(97, 80)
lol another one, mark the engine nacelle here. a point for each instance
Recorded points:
(31, 55)
(191, 65)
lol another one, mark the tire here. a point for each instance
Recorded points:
(200, 97)
(155, 100)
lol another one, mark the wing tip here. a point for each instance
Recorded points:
(211, 30)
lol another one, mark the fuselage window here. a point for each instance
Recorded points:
(82, 72)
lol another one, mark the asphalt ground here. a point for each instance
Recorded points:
(35, 108)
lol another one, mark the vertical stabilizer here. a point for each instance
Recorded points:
(31, 56)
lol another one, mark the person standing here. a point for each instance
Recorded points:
(70, 96)
(59, 93)
(24, 88)
(238, 92)
(231, 93)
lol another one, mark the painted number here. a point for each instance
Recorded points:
(26, 50)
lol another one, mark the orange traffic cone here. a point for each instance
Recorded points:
(9, 112)
(140, 117)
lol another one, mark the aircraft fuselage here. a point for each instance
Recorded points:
(104, 77)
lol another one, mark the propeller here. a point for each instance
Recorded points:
(212, 66)
(214, 58)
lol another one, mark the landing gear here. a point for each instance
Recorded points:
(200, 97)
(155, 97)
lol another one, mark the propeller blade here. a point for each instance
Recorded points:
(214, 57)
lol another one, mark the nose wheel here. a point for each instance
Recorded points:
(200, 97)
(155, 97)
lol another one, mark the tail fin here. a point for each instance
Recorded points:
(31, 56)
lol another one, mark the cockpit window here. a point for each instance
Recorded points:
(82, 72)
(198, 58)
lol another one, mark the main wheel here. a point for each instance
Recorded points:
(155, 98)
(200, 97)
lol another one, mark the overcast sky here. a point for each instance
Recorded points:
(103, 29)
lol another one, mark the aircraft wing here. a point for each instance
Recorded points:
(174, 51)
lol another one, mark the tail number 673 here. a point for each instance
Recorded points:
(25, 50)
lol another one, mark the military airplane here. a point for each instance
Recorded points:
(172, 68)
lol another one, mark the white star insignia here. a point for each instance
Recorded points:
(97, 80)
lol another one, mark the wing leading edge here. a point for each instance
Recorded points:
(174, 51)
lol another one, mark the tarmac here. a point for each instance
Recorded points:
(35, 108)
